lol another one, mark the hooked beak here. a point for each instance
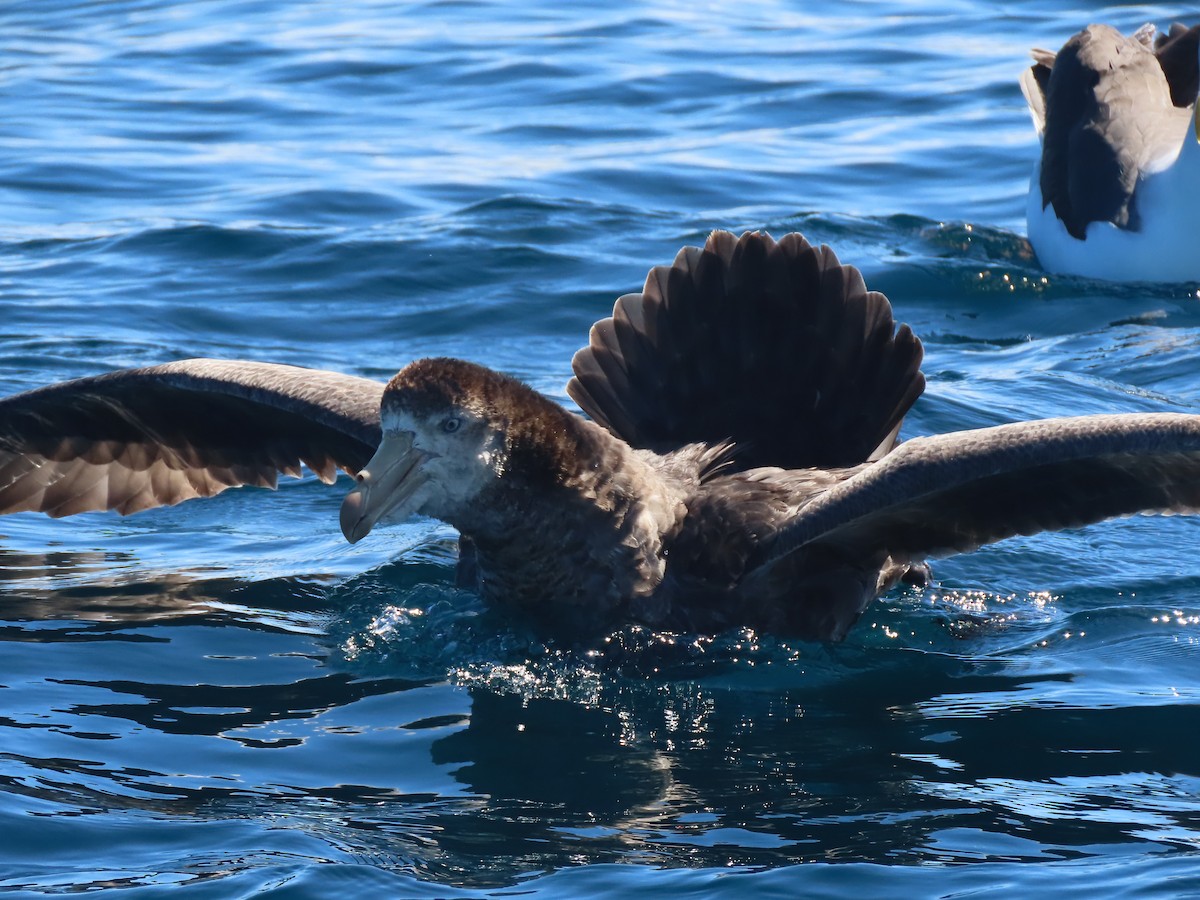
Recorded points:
(384, 486)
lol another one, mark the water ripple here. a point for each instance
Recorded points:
(225, 696)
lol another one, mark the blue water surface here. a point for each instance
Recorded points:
(225, 699)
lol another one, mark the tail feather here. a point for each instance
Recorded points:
(775, 346)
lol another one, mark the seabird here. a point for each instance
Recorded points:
(1114, 195)
(738, 465)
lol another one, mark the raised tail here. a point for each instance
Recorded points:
(773, 345)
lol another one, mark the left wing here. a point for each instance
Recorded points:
(935, 496)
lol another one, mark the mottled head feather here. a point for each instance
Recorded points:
(543, 440)
(431, 385)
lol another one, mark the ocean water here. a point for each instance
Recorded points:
(225, 699)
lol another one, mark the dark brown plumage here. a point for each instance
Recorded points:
(141, 438)
(740, 465)
(776, 344)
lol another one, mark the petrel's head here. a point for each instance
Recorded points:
(447, 437)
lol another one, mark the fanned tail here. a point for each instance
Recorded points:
(775, 346)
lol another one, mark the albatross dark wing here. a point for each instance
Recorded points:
(141, 438)
(776, 346)
(951, 493)
(1177, 54)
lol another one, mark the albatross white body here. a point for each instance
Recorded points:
(1165, 249)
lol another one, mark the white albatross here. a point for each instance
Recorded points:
(1115, 194)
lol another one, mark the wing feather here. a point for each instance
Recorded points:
(140, 438)
(775, 346)
(951, 493)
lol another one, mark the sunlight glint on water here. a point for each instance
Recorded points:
(225, 696)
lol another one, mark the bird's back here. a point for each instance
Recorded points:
(781, 352)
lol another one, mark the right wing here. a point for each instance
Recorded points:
(140, 438)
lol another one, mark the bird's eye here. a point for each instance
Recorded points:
(451, 424)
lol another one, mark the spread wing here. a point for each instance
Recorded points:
(140, 438)
(775, 346)
(951, 493)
